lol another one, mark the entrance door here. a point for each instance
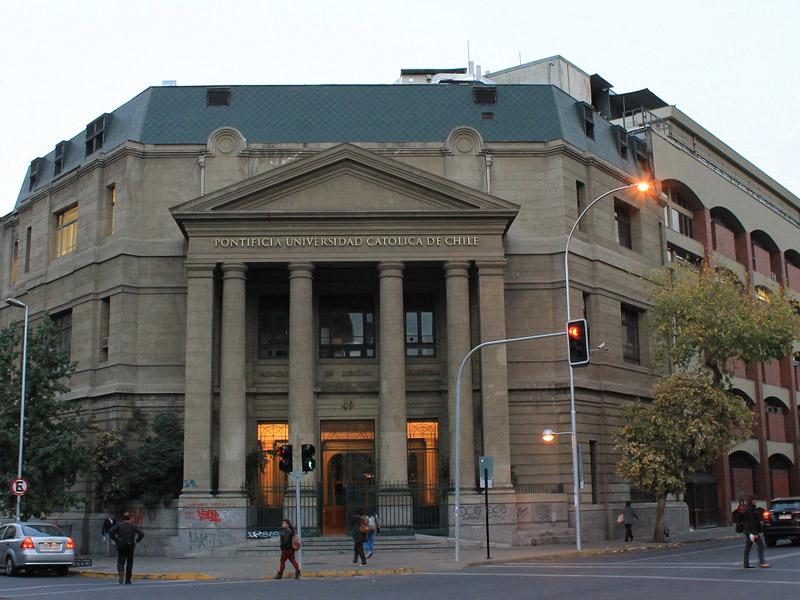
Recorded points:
(348, 473)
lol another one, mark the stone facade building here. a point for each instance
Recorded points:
(311, 264)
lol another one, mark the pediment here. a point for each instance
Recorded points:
(344, 180)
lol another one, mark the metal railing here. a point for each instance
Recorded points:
(539, 488)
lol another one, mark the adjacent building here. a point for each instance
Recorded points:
(311, 264)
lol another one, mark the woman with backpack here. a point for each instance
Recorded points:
(360, 527)
(289, 545)
(372, 519)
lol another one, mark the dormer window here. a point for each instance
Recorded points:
(58, 159)
(588, 120)
(95, 132)
(218, 97)
(33, 176)
(622, 142)
(484, 95)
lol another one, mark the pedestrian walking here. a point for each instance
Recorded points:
(628, 515)
(752, 530)
(109, 522)
(289, 545)
(125, 535)
(360, 527)
(374, 525)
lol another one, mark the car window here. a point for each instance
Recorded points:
(790, 505)
(2, 531)
(41, 530)
(10, 533)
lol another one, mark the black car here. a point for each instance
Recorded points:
(782, 521)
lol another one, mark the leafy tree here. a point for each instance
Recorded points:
(156, 470)
(53, 452)
(704, 321)
(111, 472)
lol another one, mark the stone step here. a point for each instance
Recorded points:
(339, 545)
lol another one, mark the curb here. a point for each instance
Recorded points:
(152, 576)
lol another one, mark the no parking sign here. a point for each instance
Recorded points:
(19, 487)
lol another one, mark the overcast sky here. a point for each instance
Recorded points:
(730, 65)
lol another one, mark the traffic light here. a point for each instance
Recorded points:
(578, 342)
(285, 458)
(309, 464)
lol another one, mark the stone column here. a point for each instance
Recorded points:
(494, 375)
(302, 428)
(198, 385)
(392, 435)
(233, 415)
(458, 344)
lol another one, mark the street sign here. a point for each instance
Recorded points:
(486, 466)
(19, 487)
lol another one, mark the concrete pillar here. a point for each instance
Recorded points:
(302, 419)
(494, 375)
(232, 382)
(197, 459)
(458, 345)
(392, 356)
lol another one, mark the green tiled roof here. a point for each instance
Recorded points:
(343, 113)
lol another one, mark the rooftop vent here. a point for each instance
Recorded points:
(218, 97)
(484, 95)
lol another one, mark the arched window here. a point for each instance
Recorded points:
(743, 474)
(779, 467)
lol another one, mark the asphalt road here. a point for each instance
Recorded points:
(708, 570)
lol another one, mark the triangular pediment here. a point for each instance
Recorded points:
(344, 180)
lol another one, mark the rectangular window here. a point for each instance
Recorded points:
(630, 336)
(271, 480)
(346, 326)
(419, 325)
(593, 467)
(105, 327)
(484, 95)
(273, 327)
(218, 97)
(66, 231)
(111, 205)
(63, 329)
(28, 238)
(622, 142)
(58, 159)
(588, 120)
(14, 258)
(580, 199)
(622, 222)
(95, 132)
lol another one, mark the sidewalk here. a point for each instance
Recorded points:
(330, 564)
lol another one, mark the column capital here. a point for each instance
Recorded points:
(300, 269)
(491, 266)
(458, 268)
(235, 270)
(390, 269)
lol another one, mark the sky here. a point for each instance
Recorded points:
(730, 65)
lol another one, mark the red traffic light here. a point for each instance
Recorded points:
(574, 331)
(285, 458)
(577, 343)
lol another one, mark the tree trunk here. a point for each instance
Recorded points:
(661, 506)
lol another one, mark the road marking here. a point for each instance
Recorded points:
(637, 577)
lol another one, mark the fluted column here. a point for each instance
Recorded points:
(197, 459)
(232, 420)
(301, 357)
(458, 345)
(392, 419)
(494, 375)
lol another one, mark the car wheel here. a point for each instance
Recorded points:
(11, 570)
(771, 541)
(62, 570)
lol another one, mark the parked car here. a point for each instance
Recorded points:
(782, 521)
(35, 545)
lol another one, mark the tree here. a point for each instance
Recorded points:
(111, 470)
(156, 470)
(703, 320)
(54, 452)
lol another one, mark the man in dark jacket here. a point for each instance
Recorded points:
(126, 535)
(752, 528)
(108, 524)
(360, 528)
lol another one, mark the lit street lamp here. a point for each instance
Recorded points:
(20, 304)
(642, 187)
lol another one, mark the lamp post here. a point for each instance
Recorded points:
(20, 304)
(642, 187)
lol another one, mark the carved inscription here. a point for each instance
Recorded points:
(355, 241)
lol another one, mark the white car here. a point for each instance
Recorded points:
(35, 545)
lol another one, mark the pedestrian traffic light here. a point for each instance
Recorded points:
(285, 458)
(309, 464)
(577, 342)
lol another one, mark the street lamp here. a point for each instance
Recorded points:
(20, 304)
(642, 187)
